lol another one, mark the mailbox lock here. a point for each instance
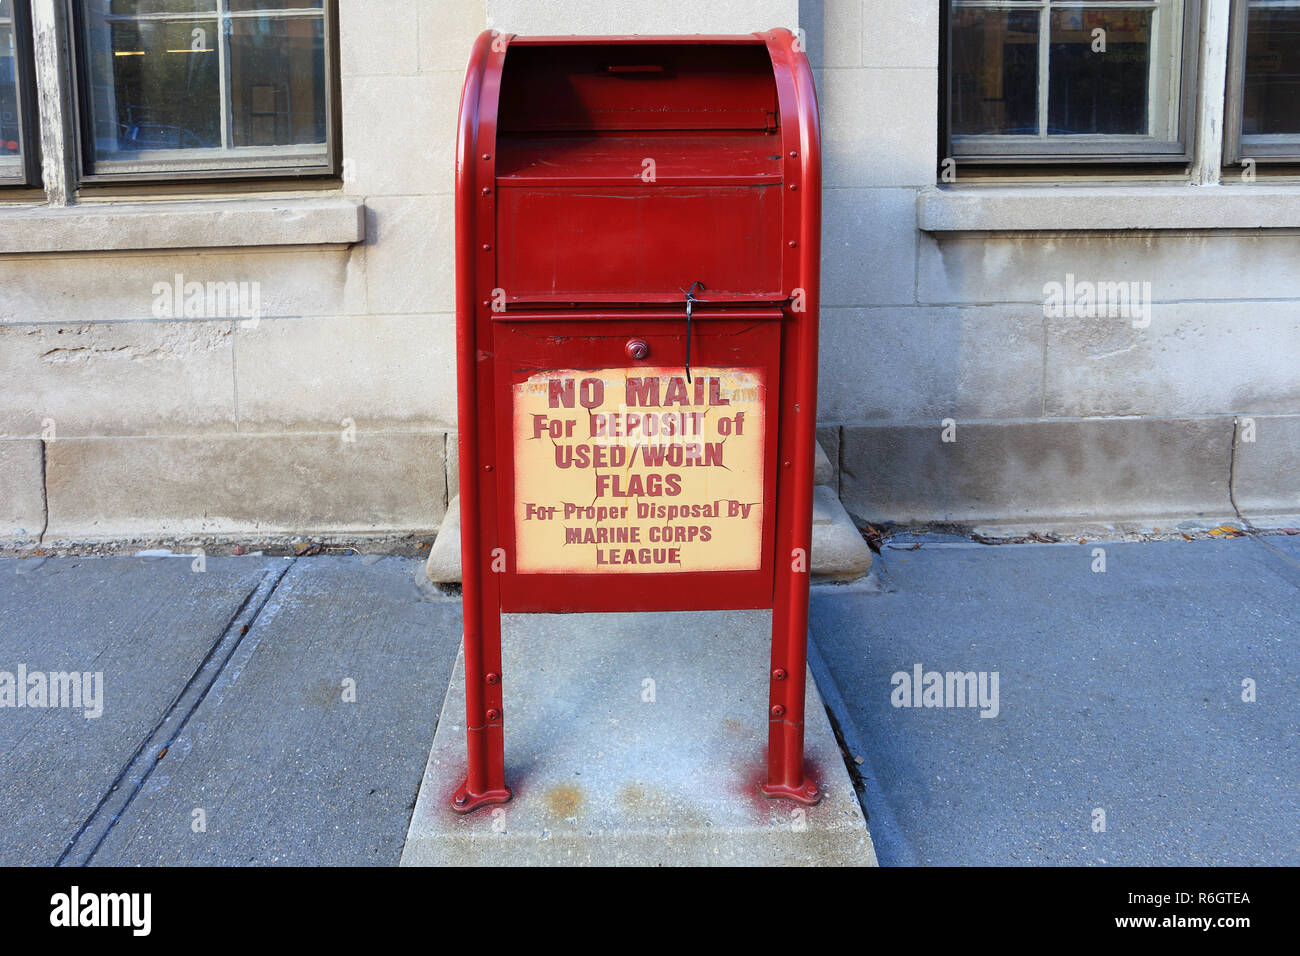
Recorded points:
(638, 349)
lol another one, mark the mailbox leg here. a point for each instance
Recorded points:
(793, 572)
(485, 771)
(485, 775)
(785, 765)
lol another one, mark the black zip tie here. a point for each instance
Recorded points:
(690, 304)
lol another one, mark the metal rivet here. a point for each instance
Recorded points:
(785, 464)
(778, 711)
(489, 155)
(794, 185)
(778, 674)
(487, 190)
(487, 246)
(794, 153)
(792, 243)
(489, 467)
(493, 678)
(494, 715)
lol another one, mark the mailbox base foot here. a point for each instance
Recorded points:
(466, 802)
(808, 794)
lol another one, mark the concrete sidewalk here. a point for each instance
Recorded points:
(280, 710)
(1119, 691)
(266, 710)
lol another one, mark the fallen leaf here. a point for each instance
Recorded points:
(1228, 531)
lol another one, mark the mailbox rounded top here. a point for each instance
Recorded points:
(634, 81)
(623, 168)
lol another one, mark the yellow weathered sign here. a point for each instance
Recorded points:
(626, 470)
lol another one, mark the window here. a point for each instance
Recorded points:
(1263, 109)
(17, 153)
(1084, 80)
(172, 88)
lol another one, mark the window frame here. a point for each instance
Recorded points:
(25, 92)
(1084, 149)
(1285, 149)
(193, 172)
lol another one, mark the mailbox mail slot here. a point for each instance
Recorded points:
(638, 229)
(624, 167)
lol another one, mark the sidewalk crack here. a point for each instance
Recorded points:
(45, 497)
(131, 779)
(1232, 474)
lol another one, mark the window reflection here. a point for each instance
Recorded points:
(219, 83)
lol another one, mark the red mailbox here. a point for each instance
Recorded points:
(638, 227)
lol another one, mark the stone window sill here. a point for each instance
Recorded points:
(1107, 208)
(200, 224)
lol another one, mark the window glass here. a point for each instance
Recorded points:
(1271, 92)
(1092, 92)
(995, 71)
(157, 86)
(277, 73)
(11, 133)
(1066, 78)
(244, 6)
(221, 85)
